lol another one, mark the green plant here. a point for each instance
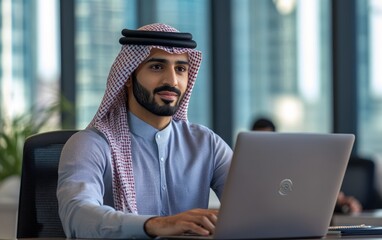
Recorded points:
(14, 131)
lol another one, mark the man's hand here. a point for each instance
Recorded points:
(198, 221)
(348, 204)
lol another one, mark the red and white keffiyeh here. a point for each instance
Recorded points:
(111, 117)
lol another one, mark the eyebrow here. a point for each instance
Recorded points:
(162, 60)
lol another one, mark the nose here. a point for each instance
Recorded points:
(171, 78)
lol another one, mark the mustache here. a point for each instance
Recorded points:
(167, 88)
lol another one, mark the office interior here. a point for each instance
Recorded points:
(310, 66)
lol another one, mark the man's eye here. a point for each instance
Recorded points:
(156, 67)
(182, 69)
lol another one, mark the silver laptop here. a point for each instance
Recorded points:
(281, 185)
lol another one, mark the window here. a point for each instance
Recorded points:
(282, 64)
(369, 21)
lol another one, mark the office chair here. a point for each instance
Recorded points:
(359, 181)
(38, 207)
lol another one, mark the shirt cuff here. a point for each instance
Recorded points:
(133, 225)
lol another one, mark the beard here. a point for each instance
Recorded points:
(147, 100)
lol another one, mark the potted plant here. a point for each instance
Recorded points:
(13, 132)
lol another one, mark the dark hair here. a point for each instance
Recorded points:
(262, 123)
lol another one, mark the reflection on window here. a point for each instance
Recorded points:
(28, 51)
(370, 77)
(282, 64)
(98, 29)
(181, 15)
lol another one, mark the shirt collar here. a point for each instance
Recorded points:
(141, 128)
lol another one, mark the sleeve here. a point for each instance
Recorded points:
(83, 168)
(223, 156)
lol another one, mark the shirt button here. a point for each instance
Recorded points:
(162, 159)
(158, 136)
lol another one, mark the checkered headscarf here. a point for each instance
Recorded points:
(111, 117)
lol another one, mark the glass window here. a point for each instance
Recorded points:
(282, 64)
(28, 55)
(98, 29)
(370, 77)
(180, 14)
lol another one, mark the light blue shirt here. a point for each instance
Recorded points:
(174, 170)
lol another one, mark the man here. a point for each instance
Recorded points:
(263, 124)
(140, 169)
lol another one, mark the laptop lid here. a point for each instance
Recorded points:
(282, 185)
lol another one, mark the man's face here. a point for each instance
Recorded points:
(159, 83)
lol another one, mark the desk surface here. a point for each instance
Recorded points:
(373, 217)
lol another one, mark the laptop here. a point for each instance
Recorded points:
(282, 185)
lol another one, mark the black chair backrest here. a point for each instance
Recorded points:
(359, 181)
(38, 207)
